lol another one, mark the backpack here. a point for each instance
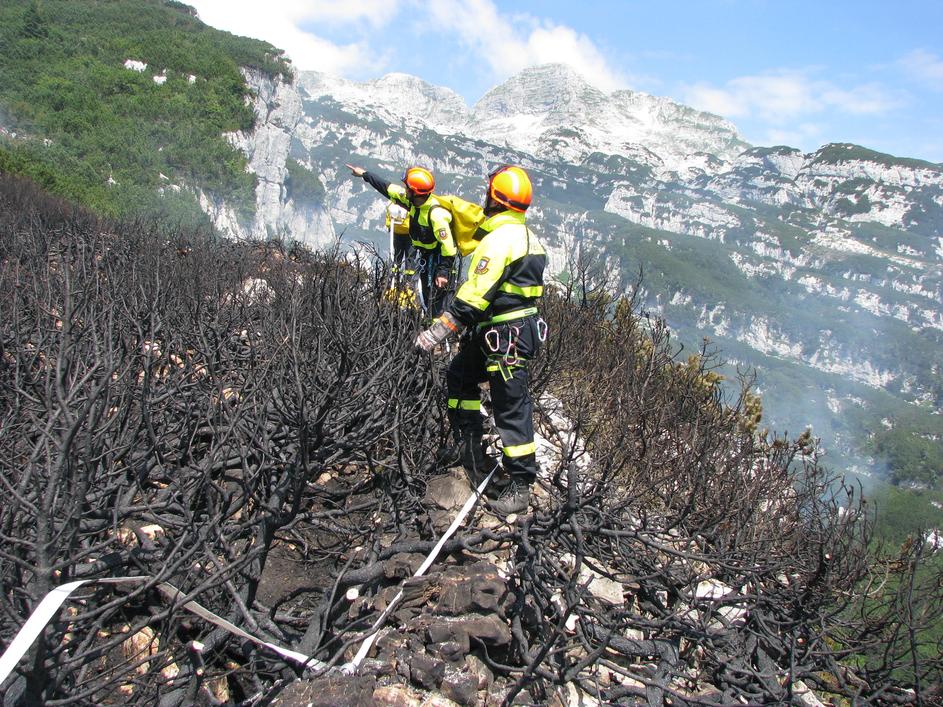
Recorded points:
(466, 218)
(400, 221)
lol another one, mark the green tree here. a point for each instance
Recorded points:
(34, 25)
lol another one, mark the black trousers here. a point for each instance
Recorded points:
(402, 254)
(435, 298)
(499, 354)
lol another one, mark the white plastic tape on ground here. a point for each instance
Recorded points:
(37, 621)
(53, 601)
(353, 665)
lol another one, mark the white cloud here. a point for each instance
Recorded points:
(784, 96)
(507, 44)
(924, 66)
(801, 134)
(502, 43)
(283, 22)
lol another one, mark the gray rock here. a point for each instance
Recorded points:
(426, 671)
(460, 687)
(490, 629)
(482, 672)
(451, 651)
(447, 491)
(467, 589)
(333, 691)
(395, 696)
(278, 109)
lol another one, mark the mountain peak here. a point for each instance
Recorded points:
(395, 96)
(554, 107)
(549, 88)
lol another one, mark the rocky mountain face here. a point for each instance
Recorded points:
(823, 272)
(279, 214)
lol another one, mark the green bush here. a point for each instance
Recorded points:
(90, 129)
(302, 184)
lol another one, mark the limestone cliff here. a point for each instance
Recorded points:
(278, 110)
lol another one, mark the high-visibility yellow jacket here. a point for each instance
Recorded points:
(506, 274)
(429, 228)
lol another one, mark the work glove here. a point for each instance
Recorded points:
(441, 329)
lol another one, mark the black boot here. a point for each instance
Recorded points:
(510, 497)
(477, 464)
(473, 456)
(448, 456)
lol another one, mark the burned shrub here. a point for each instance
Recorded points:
(251, 428)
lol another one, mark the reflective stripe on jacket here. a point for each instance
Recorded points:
(506, 271)
(428, 231)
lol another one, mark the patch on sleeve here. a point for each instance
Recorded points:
(443, 234)
(482, 266)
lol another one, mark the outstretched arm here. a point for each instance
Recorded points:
(393, 192)
(356, 171)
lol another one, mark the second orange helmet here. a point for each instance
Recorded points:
(511, 187)
(419, 180)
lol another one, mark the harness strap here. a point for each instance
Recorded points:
(509, 316)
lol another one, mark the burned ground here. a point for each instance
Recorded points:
(252, 425)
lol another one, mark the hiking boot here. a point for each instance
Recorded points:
(476, 475)
(448, 456)
(513, 497)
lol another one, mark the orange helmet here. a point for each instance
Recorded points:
(510, 186)
(419, 180)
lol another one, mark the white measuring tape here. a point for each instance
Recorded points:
(53, 601)
(352, 666)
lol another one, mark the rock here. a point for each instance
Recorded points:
(278, 109)
(451, 651)
(468, 589)
(489, 629)
(805, 696)
(447, 491)
(390, 641)
(402, 669)
(438, 701)
(332, 691)
(711, 590)
(572, 696)
(482, 672)
(444, 633)
(142, 644)
(426, 671)
(380, 667)
(402, 565)
(598, 585)
(460, 687)
(396, 696)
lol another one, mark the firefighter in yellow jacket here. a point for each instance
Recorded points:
(496, 307)
(429, 229)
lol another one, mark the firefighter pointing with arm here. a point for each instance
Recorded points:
(429, 229)
(497, 308)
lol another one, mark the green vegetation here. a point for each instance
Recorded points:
(914, 453)
(837, 152)
(908, 522)
(303, 184)
(901, 513)
(86, 127)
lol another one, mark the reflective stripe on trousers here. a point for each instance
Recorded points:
(501, 358)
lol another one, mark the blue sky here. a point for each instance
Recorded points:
(793, 72)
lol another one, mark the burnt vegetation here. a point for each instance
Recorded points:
(252, 426)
